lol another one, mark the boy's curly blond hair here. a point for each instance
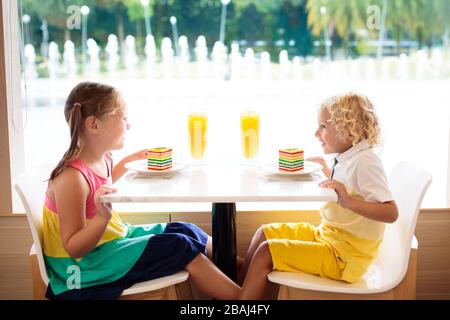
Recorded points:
(354, 116)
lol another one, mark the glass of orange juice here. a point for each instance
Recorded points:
(197, 126)
(250, 136)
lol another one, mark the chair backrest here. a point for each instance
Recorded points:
(31, 187)
(408, 185)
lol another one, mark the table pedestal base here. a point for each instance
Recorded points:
(224, 237)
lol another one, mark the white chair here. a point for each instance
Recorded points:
(393, 274)
(31, 187)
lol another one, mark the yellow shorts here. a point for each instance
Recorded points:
(298, 247)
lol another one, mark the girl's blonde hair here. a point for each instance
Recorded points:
(353, 115)
(85, 100)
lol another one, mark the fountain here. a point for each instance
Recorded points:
(150, 53)
(54, 69)
(201, 49)
(437, 63)
(285, 65)
(265, 66)
(421, 64)
(317, 68)
(335, 71)
(386, 69)
(185, 56)
(93, 51)
(402, 67)
(53, 60)
(297, 68)
(167, 55)
(201, 55)
(44, 44)
(30, 62)
(249, 58)
(112, 54)
(130, 57)
(69, 60)
(371, 69)
(355, 73)
(236, 62)
(219, 58)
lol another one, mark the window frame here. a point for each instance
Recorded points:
(448, 167)
(12, 156)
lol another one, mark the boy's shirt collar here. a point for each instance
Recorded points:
(360, 146)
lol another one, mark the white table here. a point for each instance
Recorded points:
(222, 184)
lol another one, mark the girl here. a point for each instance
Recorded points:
(351, 230)
(89, 252)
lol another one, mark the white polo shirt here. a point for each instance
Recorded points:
(362, 172)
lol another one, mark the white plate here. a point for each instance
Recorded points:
(273, 169)
(140, 166)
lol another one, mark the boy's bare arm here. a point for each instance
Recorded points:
(384, 212)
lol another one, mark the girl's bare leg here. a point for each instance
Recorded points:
(258, 238)
(256, 284)
(210, 280)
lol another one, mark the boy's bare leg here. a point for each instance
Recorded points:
(209, 248)
(210, 280)
(258, 238)
(256, 284)
(239, 260)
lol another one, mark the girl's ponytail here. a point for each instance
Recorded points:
(75, 124)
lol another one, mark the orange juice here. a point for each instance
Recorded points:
(250, 134)
(198, 124)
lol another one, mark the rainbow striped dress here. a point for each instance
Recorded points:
(126, 254)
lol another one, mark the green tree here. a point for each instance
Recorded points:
(292, 20)
(250, 24)
(438, 19)
(341, 17)
(120, 10)
(419, 20)
(54, 12)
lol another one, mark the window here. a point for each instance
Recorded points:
(273, 62)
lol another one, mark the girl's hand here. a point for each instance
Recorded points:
(104, 210)
(139, 155)
(343, 197)
(119, 170)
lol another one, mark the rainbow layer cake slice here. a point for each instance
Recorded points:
(291, 160)
(159, 159)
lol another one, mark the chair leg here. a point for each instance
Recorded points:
(39, 287)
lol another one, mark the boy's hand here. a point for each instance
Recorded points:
(318, 160)
(323, 163)
(341, 191)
